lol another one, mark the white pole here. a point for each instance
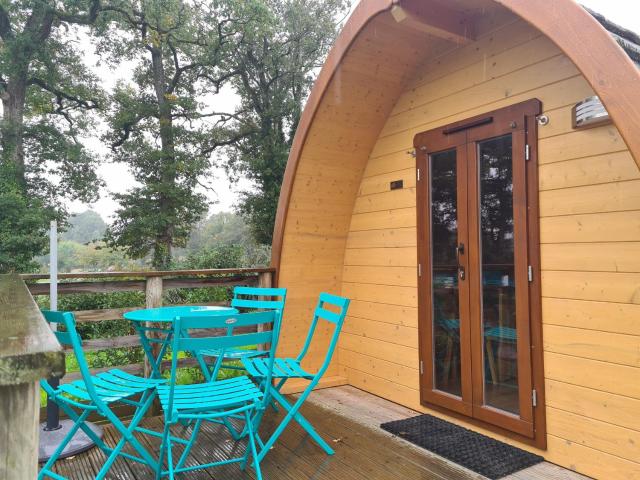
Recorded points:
(53, 413)
(53, 266)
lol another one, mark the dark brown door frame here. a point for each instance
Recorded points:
(520, 119)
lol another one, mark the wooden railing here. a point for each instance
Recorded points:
(28, 352)
(154, 284)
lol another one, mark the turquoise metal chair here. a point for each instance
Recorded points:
(96, 394)
(246, 299)
(218, 400)
(284, 369)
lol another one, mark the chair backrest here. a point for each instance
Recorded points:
(322, 312)
(184, 341)
(69, 337)
(258, 298)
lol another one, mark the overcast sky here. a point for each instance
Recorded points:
(626, 13)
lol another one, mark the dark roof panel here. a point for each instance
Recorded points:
(627, 39)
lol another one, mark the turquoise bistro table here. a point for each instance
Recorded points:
(159, 321)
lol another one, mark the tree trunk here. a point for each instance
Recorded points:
(12, 128)
(21, 51)
(164, 236)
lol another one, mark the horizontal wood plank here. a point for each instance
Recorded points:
(608, 438)
(592, 170)
(592, 257)
(599, 286)
(599, 316)
(151, 273)
(604, 346)
(393, 237)
(586, 402)
(385, 331)
(381, 257)
(384, 219)
(397, 276)
(402, 296)
(398, 354)
(584, 459)
(381, 312)
(388, 370)
(604, 376)
(596, 227)
(607, 197)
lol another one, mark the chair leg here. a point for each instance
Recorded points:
(84, 427)
(252, 447)
(232, 431)
(63, 443)
(192, 440)
(291, 415)
(163, 448)
(170, 459)
(128, 437)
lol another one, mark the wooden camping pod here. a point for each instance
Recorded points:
(340, 228)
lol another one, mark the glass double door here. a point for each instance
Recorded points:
(475, 270)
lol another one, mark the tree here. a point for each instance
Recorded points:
(160, 127)
(276, 64)
(85, 227)
(46, 91)
(226, 229)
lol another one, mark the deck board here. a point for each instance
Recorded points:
(370, 411)
(346, 417)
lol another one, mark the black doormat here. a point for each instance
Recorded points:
(482, 454)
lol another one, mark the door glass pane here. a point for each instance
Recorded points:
(498, 274)
(445, 300)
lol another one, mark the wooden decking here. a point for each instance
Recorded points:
(345, 416)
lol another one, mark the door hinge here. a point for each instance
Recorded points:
(418, 174)
(421, 367)
(527, 152)
(419, 269)
(534, 398)
(530, 273)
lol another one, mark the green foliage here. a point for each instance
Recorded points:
(276, 62)
(221, 256)
(23, 227)
(92, 257)
(85, 227)
(158, 124)
(225, 229)
(46, 90)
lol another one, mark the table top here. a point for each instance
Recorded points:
(167, 314)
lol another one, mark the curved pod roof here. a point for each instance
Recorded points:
(603, 63)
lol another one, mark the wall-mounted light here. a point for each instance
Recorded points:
(589, 113)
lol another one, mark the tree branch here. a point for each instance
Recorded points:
(82, 19)
(225, 143)
(62, 95)
(126, 130)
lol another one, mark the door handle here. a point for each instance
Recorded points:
(460, 251)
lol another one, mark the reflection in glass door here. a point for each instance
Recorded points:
(444, 271)
(495, 172)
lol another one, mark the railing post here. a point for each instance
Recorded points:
(265, 280)
(153, 299)
(28, 352)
